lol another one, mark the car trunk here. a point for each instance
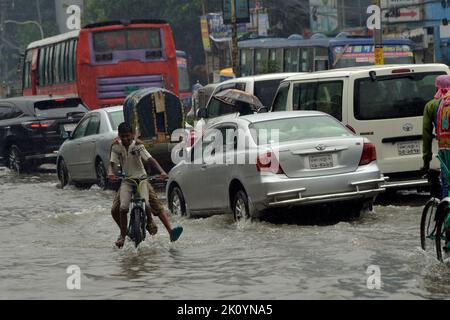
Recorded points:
(311, 158)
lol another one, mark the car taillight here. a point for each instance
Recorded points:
(37, 125)
(268, 162)
(369, 154)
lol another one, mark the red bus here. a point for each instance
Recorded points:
(103, 62)
(183, 79)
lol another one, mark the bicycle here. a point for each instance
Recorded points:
(443, 219)
(138, 216)
(428, 220)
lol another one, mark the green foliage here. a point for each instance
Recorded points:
(271, 67)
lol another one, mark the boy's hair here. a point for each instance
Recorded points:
(125, 128)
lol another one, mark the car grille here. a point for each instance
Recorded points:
(120, 87)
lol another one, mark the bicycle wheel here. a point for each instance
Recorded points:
(428, 224)
(136, 227)
(442, 235)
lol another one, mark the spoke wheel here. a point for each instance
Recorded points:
(241, 207)
(102, 181)
(14, 159)
(443, 235)
(177, 205)
(428, 224)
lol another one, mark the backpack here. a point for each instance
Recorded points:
(443, 124)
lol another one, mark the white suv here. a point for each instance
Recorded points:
(382, 103)
(263, 86)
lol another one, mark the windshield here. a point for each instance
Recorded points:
(120, 40)
(294, 129)
(116, 118)
(59, 108)
(363, 55)
(266, 90)
(394, 96)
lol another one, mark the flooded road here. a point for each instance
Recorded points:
(44, 230)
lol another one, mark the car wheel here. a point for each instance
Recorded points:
(177, 205)
(102, 181)
(63, 174)
(15, 162)
(241, 206)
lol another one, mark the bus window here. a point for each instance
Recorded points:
(320, 65)
(246, 62)
(261, 60)
(291, 59)
(27, 69)
(276, 57)
(323, 96)
(305, 60)
(41, 65)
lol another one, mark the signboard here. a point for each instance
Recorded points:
(401, 10)
(205, 33)
(218, 31)
(68, 14)
(242, 11)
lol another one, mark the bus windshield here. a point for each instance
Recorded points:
(121, 40)
(363, 55)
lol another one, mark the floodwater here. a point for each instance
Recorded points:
(44, 230)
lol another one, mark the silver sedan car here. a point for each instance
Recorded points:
(83, 158)
(249, 164)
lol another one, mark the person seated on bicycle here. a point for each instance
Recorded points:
(156, 206)
(430, 118)
(131, 157)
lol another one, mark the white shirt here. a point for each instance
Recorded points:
(131, 161)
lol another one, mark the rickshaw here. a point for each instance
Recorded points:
(155, 114)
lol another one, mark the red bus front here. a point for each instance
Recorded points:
(103, 63)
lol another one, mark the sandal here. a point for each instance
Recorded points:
(176, 233)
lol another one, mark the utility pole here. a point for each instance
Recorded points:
(3, 72)
(378, 37)
(234, 40)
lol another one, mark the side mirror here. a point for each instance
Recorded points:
(202, 113)
(67, 135)
(263, 110)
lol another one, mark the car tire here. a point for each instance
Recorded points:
(241, 208)
(102, 180)
(177, 204)
(15, 159)
(63, 174)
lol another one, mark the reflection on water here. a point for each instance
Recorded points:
(290, 254)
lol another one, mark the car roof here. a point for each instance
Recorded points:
(112, 109)
(346, 72)
(263, 77)
(261, 117)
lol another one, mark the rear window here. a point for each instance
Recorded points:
(266, 90)
(116, 119)
(60, 108)
(394, 96)
(295, 129)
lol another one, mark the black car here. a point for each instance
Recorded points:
(33, 128)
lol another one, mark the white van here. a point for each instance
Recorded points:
(263, 86)
(383, 103)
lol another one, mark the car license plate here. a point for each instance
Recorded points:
(321, 162)
(409, 148)
(69, 127)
